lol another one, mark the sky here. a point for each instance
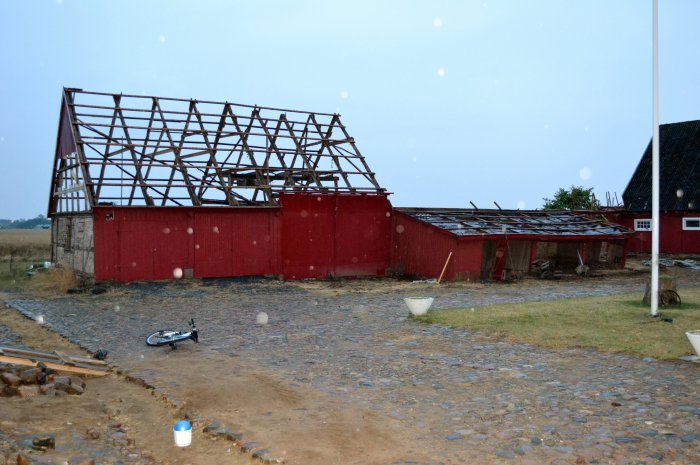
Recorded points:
(449, 101)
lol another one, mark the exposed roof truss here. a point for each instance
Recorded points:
(134, 150)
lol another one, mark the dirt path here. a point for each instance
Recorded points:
(114, 421)
(296, 423)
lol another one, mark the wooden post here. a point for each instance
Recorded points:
(444, 267)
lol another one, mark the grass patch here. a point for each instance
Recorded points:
(612, 324)
(20, 248)
(53, 280)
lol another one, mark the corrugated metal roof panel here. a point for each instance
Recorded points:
(463, 222)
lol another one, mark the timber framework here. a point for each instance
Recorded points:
(134, 150)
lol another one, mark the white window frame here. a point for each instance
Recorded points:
(640, 224)
(690, 228)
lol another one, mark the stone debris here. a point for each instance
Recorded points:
(30, 382)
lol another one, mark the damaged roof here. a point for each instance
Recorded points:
(465, 222)
(679, 171)
(136, 150)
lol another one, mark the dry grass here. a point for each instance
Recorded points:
(53, 281)
(612, 324)
(25, 244)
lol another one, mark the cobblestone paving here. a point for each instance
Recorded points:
(469, 398)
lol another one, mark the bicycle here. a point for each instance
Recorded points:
(171, 336)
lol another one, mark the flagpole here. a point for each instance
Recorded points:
(655, 168)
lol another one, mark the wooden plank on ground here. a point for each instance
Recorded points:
(54, 361)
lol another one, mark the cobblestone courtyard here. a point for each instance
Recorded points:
(463, 397)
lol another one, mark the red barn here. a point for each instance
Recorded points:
(500, 244)
(679, 194)
(148, 188)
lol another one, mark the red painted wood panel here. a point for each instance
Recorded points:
(334, 235)
(134, 243)
(421, 249)
(672, 240)
(235, 242)
(362, 235)
(308, 236)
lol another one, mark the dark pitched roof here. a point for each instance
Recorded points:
(679, 170)
(156, 151)
(463, 222)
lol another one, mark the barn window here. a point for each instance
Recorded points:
(642, 225)
(691, 224)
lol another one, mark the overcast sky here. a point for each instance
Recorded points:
(449, 102)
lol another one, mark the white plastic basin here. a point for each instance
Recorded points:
(418, 305)
(694, 338)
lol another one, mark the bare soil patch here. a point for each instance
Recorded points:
(113, 420)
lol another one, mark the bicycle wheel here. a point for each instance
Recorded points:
(162, 337)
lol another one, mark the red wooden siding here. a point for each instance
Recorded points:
(135, 243)
(311, 236)
(672, 240)
(421, 249)
(334, 235)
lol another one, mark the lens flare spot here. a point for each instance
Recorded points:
(400, 229)
(166, 230)
(521, 205)
(304, 214)
(388, 214)
(261, 318)
(437, 22)
(585, 173)
(190, 231)
(255, 242)
(441, 72)
(196, 246)
(40, 319)
(133, 264)
(680, 193)
(215, 229)
(311, 267)
(344, 94)
(177, 273)
(354, 259)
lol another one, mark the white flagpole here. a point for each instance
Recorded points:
(655, 169)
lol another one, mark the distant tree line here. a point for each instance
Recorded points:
(39, 222)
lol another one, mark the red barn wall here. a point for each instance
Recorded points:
(334, 235)
(421, 249)
(134, 243)
(672, 239)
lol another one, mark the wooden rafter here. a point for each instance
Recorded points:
(139, 150)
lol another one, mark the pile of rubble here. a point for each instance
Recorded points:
(35, 381)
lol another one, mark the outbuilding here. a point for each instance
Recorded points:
(149, 188)
(679, 193)
(490, 245)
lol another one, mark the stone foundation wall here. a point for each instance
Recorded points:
(72, 244)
